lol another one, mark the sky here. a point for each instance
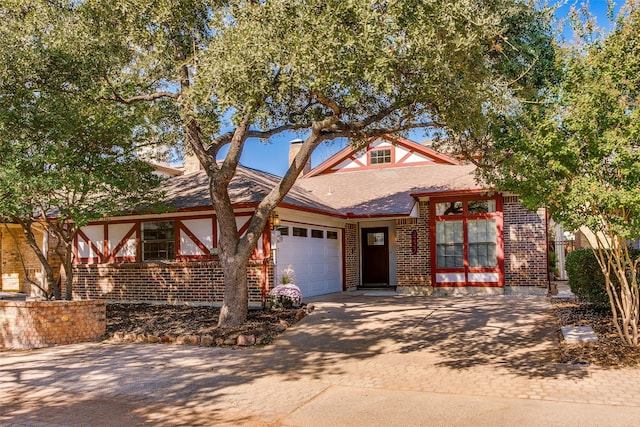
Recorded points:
(273, 156)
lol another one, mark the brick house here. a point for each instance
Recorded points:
(395, 214)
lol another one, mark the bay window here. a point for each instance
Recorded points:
(466, 247)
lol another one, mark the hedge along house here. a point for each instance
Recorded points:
(395, 214)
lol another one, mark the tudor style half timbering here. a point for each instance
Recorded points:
(166, 258)
(394, 214)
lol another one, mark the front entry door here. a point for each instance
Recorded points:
(375, 257)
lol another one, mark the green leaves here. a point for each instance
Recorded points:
(63, 150)
(579, 152)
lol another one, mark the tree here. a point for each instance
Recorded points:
(65, 160)
(220, 72)
(579, 154)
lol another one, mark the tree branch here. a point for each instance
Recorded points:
(140, 98)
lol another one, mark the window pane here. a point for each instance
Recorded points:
(158, 241)
(318, 234)
(299, 232)
(375, 239)
(449, 208)
(481, 206)
(284, 231)
(332, 235)
(449, 244)
(482, 243)
(380, 156)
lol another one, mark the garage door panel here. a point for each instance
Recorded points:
(316, 263)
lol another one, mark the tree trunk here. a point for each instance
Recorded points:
(235, 305)
(68, 270)
(52, 284)
(624, 296)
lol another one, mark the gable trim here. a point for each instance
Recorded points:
(349, 151)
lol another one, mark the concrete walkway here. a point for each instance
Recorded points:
(356, 361)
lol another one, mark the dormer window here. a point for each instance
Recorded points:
(379, 157)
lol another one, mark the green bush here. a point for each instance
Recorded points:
(585, 276)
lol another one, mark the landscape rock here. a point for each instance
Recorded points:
(130, 337)
(167, 339)
(230, 340)
(206, 340)
(246, 340)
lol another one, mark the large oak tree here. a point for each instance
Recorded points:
(65, 159)
(221, 72)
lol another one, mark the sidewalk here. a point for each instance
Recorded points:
(356, 360)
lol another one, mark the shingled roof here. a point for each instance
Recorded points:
(248, 186)
(387, 192)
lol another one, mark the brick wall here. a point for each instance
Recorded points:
(525, 247)
(14, 244)
(34, 324)
(352, 265)
(164, 282)
(414, 269)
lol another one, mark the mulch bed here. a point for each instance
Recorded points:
(608, 352)
(171, 323)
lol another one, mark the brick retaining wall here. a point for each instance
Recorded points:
(35, 324)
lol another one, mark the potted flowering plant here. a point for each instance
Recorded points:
(286, 294)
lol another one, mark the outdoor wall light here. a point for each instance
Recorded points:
(275, 220)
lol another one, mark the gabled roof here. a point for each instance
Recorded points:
(248, 187)
(388, 191)
(349, 151)
(368, 192)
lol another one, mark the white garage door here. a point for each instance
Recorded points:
(315, 255)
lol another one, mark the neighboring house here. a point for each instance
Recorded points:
(395, 214)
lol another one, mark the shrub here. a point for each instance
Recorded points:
(585, 277)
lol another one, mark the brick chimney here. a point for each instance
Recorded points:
(294, 147)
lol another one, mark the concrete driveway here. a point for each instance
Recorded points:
(357, 360)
